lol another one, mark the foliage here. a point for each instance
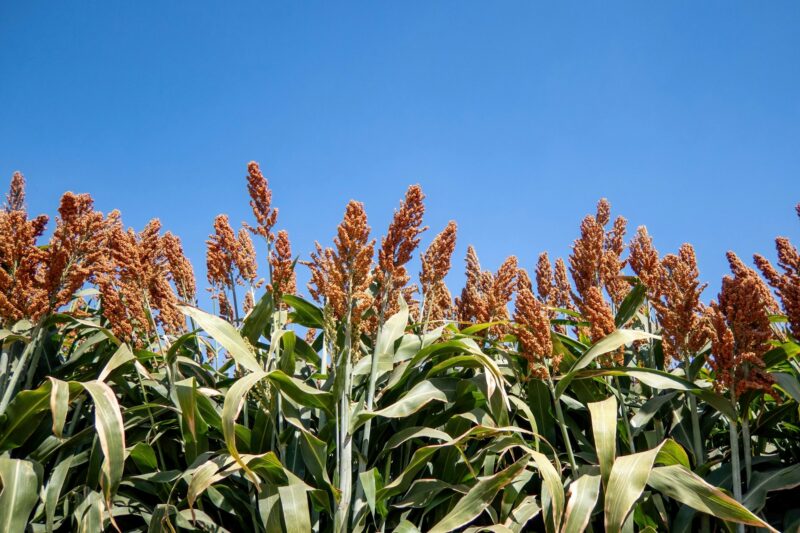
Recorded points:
(405, 425)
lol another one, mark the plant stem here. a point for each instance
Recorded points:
(623, 411)
(235, 303)
(697, 437)
(563, 425)
(21, 363)
(736, 472)
(345, 439)
(748, 460)
(373, 378)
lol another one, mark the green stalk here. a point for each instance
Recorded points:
(697, 438)
(563, 426)
(21, 363)
(748, 460)
(345, 439)
(736, 473)
(623, 410)
(235, 303)
(373, 378)
(5, 365)
(736, 467)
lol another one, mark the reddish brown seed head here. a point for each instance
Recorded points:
(532, 328)
(438, 303)
(283, 275)
(261, 201)
(15, 199)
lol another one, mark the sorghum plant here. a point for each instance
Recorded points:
(555, 404)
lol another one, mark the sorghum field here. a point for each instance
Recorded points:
(598, 392)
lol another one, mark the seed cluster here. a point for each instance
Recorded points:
(143, 278)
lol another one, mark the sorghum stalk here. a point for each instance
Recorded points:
(235, 303)
(21, 363)
(345, 439)
(697, 441)
(373, 378)
(736, 474)
(563, 426)
(623, 410)
(736, 467)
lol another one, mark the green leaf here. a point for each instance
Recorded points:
(672, 453)
(522, 514)
(768, 481)
(19, 496)
(584, 492)
(23, 415)
(415, 432)
(369, 481)
(632, 302)
(52, 492)
(789, 384)
(609, 343)
(202, 477)
(647, 411)
(111, 434)
(257, 320)
(604, 428)
(59, 404)
(658, 379)
(300, 392)
(294, 503)
(479, 497)
(683, 485)
(120, 357)
(552, 491)
(625, 485)
(418, 397)
(225, 334)
(305, 313)
(185, 391)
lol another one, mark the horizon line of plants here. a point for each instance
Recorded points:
(598, 394)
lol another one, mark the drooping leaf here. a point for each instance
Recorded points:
(110, 433)
(479, 497)
(304, 313)
(764, 482)
(626, 482)
(225, 334)
(685, 486)
(609, 343)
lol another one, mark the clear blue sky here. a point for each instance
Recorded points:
(514, 116)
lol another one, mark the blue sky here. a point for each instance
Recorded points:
(515, 117)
